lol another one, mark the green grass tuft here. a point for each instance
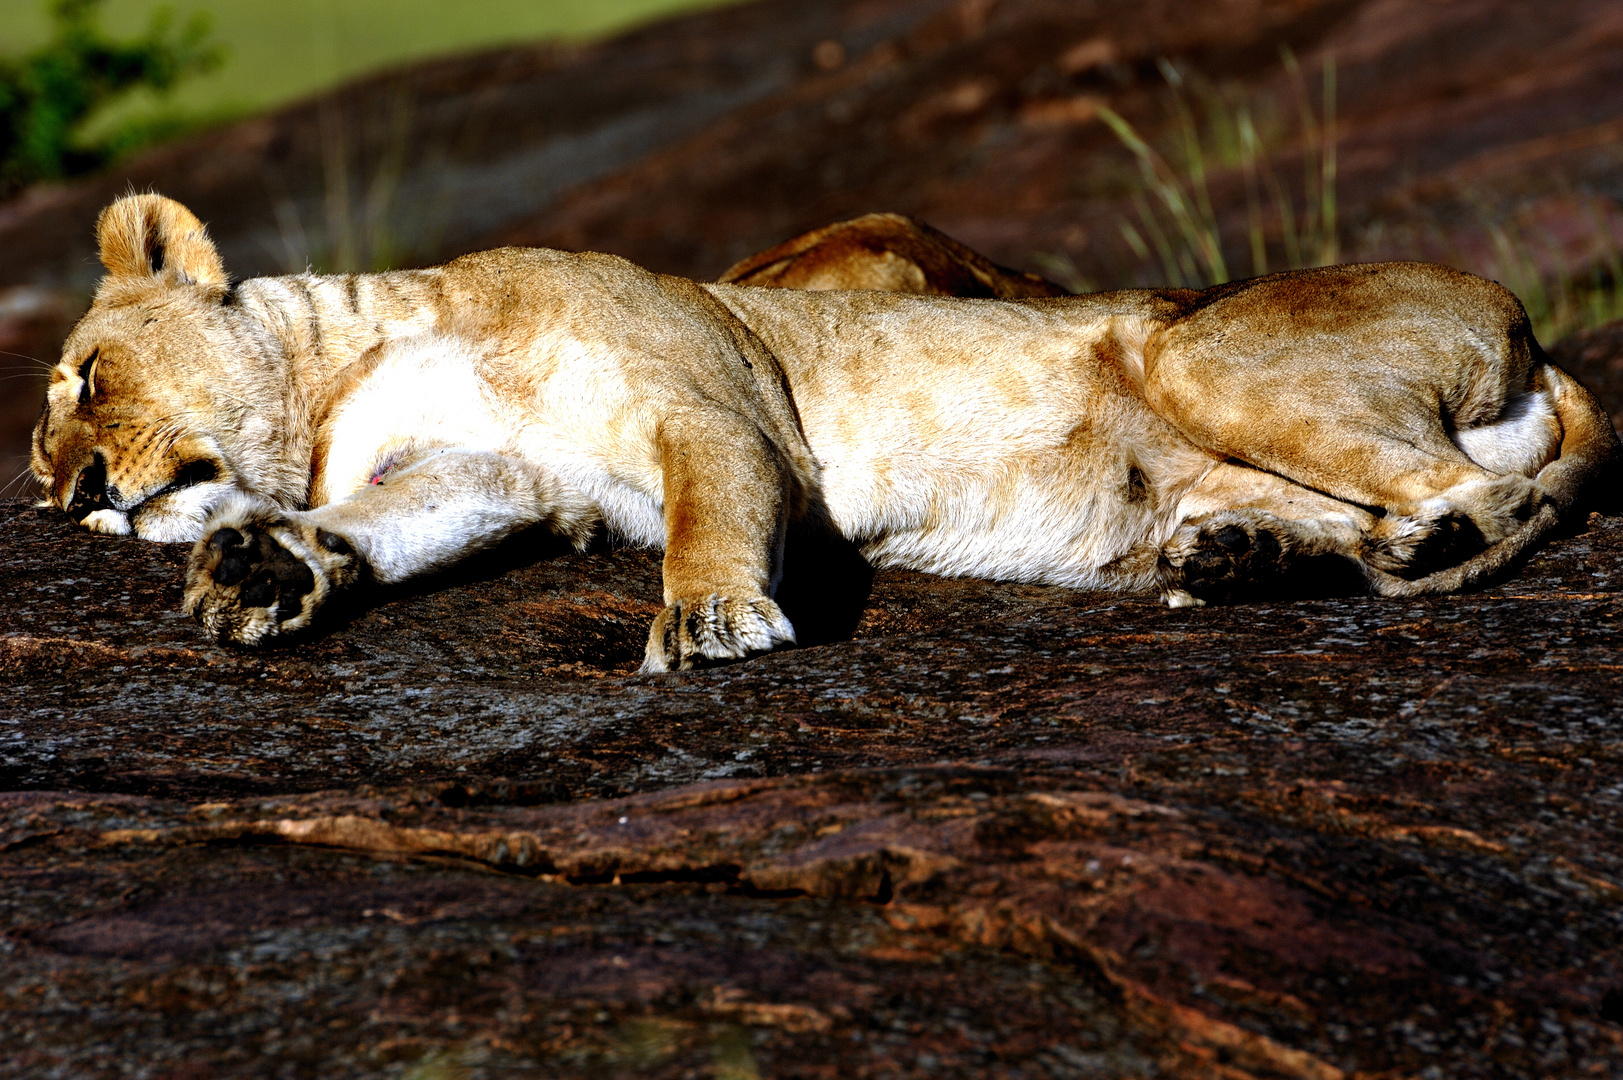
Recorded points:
(1174, 223)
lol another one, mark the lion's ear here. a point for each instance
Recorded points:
(151, 236)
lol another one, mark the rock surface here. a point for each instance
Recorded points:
(1001, 830)
(983, 830)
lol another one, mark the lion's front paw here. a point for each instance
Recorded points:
(264, 575)
(1224, 557)
(712, 629)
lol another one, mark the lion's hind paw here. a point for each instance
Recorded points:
(714, 629)
(1420, 539)
(1224, 557)
(257, 576)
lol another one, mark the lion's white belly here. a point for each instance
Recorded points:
(424, 393)
(1041, 514)
(433, 393)
(1030, 533)
(1048, 490)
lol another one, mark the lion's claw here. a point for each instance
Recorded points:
(714, 629)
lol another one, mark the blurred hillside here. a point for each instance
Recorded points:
(287, 49)
(1483, 133)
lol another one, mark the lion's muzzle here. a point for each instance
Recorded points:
(89, 491)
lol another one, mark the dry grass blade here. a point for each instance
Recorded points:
(1175, 221)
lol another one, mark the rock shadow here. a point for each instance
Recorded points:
(825, 587)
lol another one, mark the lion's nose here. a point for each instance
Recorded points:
(90, 491)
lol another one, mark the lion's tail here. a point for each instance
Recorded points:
(1575, 481)
(1589, 448)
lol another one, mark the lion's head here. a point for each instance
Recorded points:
(163, 403)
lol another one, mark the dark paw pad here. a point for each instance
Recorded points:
(1230, 562)
(264, 572)
(1231, 538)
(1453, 539)
(225, 538)
(334, 543)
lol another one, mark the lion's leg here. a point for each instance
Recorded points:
(728, 494)
(1353, 381)
(261, 571)
(1352, 433)
(1435, 507)
(1244, 534)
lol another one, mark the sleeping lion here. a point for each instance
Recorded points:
(1397, 421)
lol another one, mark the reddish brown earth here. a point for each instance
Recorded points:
(992, 830)
(1004, 830)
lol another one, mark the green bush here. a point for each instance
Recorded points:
(46, 96)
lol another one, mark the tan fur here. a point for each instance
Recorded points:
(150, 235)
(1395, 425)
(888, 252)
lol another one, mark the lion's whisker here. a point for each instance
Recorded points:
(44, 364)
(23, 475)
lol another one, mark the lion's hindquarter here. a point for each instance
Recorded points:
(1380, 384)
(981, 438)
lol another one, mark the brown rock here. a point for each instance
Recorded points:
(1002, 829)
(983, 829)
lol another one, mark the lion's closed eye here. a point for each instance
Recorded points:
(87, 373)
